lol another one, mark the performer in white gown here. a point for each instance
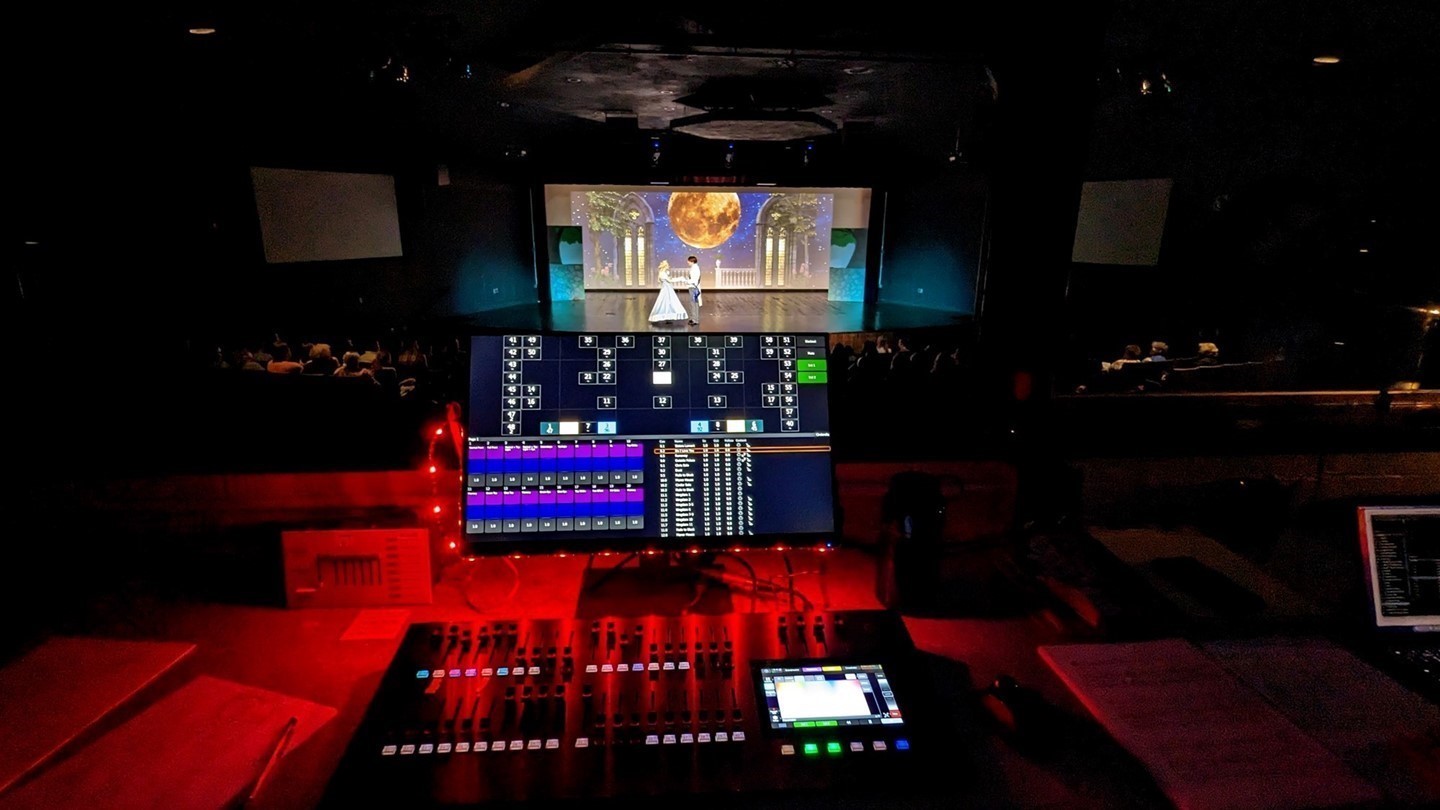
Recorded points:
(667, 307)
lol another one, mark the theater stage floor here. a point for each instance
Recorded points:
(722, 312)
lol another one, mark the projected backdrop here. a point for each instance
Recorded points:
(744, 239)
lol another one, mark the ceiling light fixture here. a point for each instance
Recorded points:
(1326, 59)
(202, 31)
(573, 80)
(859, 70)
(754, 125)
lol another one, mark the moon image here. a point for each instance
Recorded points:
(704, 219)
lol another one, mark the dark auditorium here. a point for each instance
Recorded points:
(541, 405)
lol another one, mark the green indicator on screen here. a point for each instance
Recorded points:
(805, 724)
(811, 749)
(827, 723)
(812, 377)
(815, 364)
(832, 748)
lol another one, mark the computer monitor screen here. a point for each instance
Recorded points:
(641, 440)
(1401, 547)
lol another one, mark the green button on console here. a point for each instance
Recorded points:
(832, 748)
(811, 749)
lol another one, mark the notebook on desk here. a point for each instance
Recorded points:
(1400, 548)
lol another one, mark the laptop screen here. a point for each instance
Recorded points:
(1401, 548)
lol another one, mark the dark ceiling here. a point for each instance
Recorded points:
(562, 86)
(474, 81)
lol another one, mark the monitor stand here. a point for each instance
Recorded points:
(661, 583)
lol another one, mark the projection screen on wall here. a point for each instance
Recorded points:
(313, 216)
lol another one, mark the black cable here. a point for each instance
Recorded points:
(789, 577)
(805, 600)
(754, 580)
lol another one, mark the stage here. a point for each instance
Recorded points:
(794, 311)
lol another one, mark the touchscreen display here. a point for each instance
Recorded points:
(828, 696)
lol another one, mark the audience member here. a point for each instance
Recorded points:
(321, 362)
(350, 367)
(904, 353)
(245, 361)
(1158, 348)
(413, 361)
(1132, 355)
(1207, 354)
(281, 362)
(841, 358)
(869, 364)
(379, 355)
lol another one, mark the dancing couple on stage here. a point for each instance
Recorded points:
(668, 307)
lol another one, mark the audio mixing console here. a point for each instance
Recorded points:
(506, 711)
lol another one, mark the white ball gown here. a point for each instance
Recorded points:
(667, 305)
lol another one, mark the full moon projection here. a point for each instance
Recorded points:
(704, 219)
